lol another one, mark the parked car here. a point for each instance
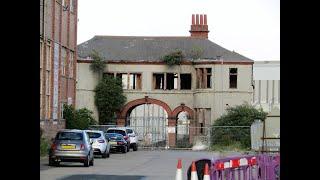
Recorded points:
(133, 138)
(71, 146)
(100, 144)
(117, 142)
(123, 132)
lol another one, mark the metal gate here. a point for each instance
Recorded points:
(150, 121)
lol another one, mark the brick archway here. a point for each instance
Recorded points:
(181, 108)
(146, 100)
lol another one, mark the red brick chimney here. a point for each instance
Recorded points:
(199, 29)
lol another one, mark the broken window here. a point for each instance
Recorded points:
(233, 73)
(135, 81)
(204, 78)
(158, 81)
(209, 78)
(129, 80)
(185, 81)
(124, 79)
(172, 81)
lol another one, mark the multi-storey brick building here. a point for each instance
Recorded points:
(58, 49)
(170, 100)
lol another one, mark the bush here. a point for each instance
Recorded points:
(174, 58)
(109, 98)
(78, 119)
(44, 146)
(241, 115)
(97, 64)
(41, 132)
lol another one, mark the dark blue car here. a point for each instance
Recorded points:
(117, 142)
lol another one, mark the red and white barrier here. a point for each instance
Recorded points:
(235, 163)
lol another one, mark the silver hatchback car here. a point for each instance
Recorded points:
(71, 146)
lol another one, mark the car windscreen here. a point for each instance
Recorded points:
(129, 131)
(94, 135)
(69, 136)
(114, 136)
(122, 132)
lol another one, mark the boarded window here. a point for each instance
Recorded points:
(204, 78)
(233, 76)
(63, 60)
(158, 81)
(71, 64)
(185, 81)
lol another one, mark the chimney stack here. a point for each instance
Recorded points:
(199, 28)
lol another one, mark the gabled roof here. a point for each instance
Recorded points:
(134, 48)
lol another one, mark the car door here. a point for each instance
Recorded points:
(107, 141)
(87, 139)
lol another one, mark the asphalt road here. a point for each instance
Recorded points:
(134, 165)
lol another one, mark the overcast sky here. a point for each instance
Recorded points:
(249, 27)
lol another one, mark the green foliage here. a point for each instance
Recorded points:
(183, 142)
(44, 146)
(233, 146)
(174, 58)
(241, 115)
(97, 64)
(78, 119)
(41, 132)
(109, 98)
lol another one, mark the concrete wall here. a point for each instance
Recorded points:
(214, 98)
(266, 75)
(86, 82)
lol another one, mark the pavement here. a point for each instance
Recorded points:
(134, 165)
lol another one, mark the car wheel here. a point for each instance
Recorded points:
(124, 150)
(105, 154)
(135, 147)
(86, 162)
(108, 155)
(52, 162)
(91, 162)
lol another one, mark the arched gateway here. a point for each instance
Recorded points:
(149, 118)
(155, 122)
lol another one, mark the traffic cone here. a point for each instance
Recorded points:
(194, 174)
(179, 170)
(206, 175)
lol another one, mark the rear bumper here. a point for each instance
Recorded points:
(97, 151)
(116, 147)
(69, 156)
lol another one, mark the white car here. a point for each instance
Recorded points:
(100, 144)
(133, 138)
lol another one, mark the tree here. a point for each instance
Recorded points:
(109, 98)
(78, 119)
(97, 65)
(241, 115)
